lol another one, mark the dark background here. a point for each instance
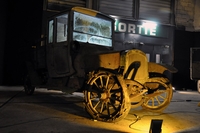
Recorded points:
(182, 43)
(21, 26)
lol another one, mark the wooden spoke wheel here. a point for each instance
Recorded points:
(105, 99)
(157, 99)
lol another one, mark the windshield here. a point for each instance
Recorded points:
(93, 30)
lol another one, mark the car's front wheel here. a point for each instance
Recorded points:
(105, 99)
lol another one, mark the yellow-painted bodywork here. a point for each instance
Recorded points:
(116, 59)
(142, 73)
(109, 60)
(160, 68)
(85, 11)
(154, 67)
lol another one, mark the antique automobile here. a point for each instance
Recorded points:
(78, 56)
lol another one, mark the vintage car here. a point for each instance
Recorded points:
(78, 56)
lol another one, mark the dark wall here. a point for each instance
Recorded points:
(2, 36)
(183, 41)
(196, 40)
(24, 20)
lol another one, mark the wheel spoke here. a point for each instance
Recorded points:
(115, 98)
(101, 80)
(115, 91)
(113, 106)
(162, 97)
(107, 106)
(93, 93)
(152, 99)
(102, 107)
(111, 87)
(97, 104)
(93, 98)
(95, 89)
(157, 100)
(107, 81)
(96, 84)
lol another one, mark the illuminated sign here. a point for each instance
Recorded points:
(147, 28)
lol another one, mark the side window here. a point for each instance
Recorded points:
(61, 35)
(50, 39)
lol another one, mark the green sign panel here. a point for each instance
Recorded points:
(143, 28)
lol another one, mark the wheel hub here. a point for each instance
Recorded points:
(105, 96)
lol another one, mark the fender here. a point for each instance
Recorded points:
(160, 68)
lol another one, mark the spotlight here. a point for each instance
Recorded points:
(156, 126)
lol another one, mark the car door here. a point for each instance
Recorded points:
(58, 57)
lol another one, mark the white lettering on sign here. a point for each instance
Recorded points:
(140, 29)
(146, 28)
(153, 31)
(131, 28)
(122, 27)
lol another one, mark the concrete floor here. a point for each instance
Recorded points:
(55, 112)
